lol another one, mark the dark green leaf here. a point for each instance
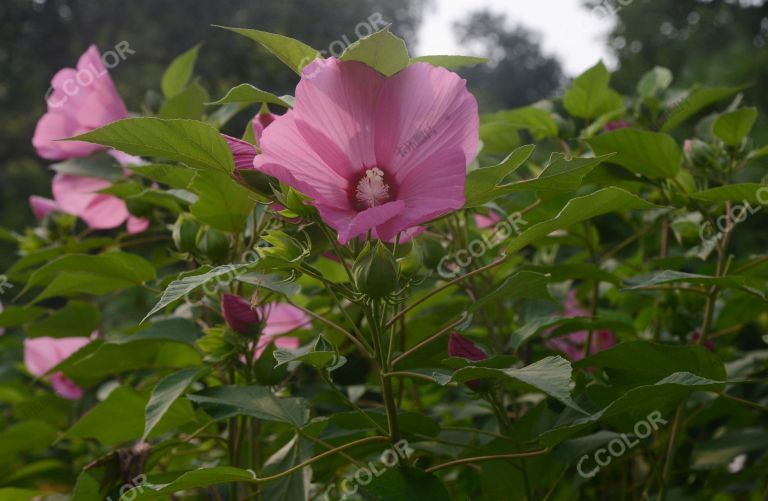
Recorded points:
(167, 391)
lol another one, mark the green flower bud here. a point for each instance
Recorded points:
(213, 244)
(185, 234)
(375, 271)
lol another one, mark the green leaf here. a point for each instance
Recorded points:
(202, 477)
(99, 165)
(733, 127)
(590, 95)
(177, 76)
(481, 183)
(222, 202)
(628, 363)
(189, 103)
(73, 320)
(120, 418)
(183, 286)
(167, 391)
(450, 62)
(295, 485)
(751, 193)
(17, 494)
(550, 375)
(654, 82)
(382, 51)
(173, 175)
(406, 482)
(718, 452)
(194, 143)
(222, 402)
(296, 55)
(521, 285)
(91, 274)
(24, 438)
(499, 137)
(13, 316)
(539, 122)
(580, 209)
(248, 94)
(560, 175)
(86, 488)
(638, 403)
(317, 359)
(695, 101)
(652, 154)
(672, 276)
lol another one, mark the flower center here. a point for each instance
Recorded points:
(371, 190)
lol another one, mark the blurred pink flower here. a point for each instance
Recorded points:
(459, 346)
(243, 151)
(483, 221)
(81, 100)
(572, 345)
(41, 354)
(375, 153)
(615, 125)
(41, 207)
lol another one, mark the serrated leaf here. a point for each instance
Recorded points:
(194, 143)
(652, 154)
(382, 51)
(559, 175)
(296, 55)
(179, 72)
(732, 127)
(222, 402)
(248, 94)
(222, 202)
(165, 393)
(481, 183)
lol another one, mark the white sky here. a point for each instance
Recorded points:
(568, 31)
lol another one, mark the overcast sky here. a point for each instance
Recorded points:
(568, 31)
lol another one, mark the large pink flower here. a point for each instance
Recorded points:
(375, 153)
(41, 354)
(572, 345)
(81, 100)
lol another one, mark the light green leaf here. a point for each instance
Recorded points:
(189, 103)
(296, 55)
(248, 94)
(538, 121)
(550, 375)
(165, 393)
(173, 175)
(590, 95)
(695, 101)
(481, 183)
(382, 51)
(580, 209)
(521, 285)
(733, 127)
(222, 202)
(654, 81)
(179, 72)
(187, 284)
(195, 143)
(652, 154)
(450, 62)
(499, 137)
(222, 402)
(560, 175)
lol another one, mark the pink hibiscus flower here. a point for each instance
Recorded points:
(41, 354)
(572, 345)
(81, 100)
(243, 151)
(459, 346)
(279, 319)
(375, 153)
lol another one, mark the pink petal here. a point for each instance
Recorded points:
(105, 212)
(59, 125)
(422, 111)
(124, 158)
(242, 151)
(459, 346)
(41, 354)
(75, 193)
(239, 314)
(260, 122)
(488, 221)
(335, 103)
(65, 387)
(286, 342)
(282, 318)
(42, 206)
(350, 224)
(137, 224)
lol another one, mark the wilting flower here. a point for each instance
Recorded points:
(41, 354)
(82, 99)
(459, 346)
(278, 319)
(572, 345)
(375, 153)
